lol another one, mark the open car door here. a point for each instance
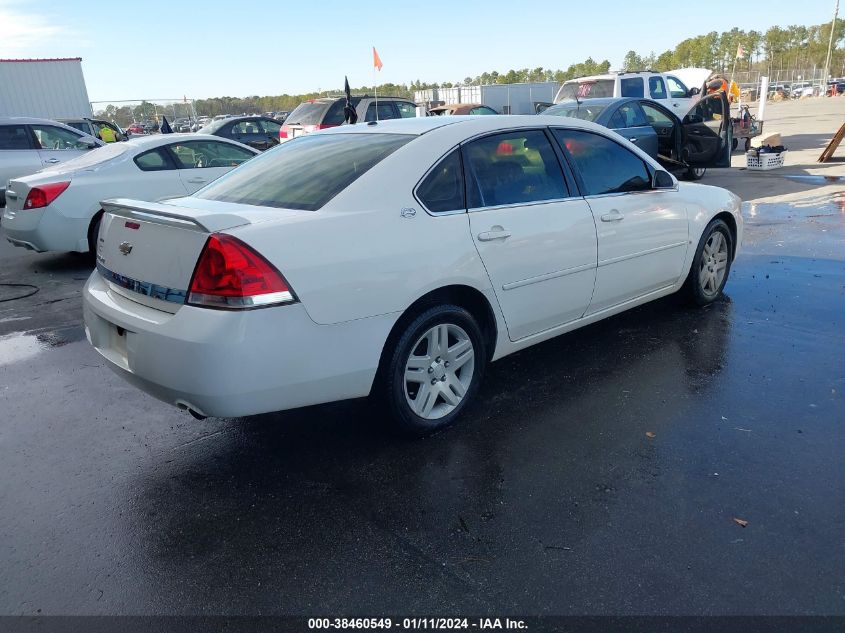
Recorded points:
(707, 132)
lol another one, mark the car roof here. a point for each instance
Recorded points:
(471, 124)
(154, 140)
(28, 120)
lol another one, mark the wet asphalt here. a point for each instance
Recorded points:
(599, 473)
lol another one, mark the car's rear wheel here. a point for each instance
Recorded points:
(695, 173)
(93, 234)
(434, 369)
(711, 265)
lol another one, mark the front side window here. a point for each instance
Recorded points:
(406, 110)
(677, 90)
(605, 166)
(513, 168)
(202, 154)
(656, 87)
(50, 137)
(385, 111)
(443, 188)
(271, 127)
(14, 137)
(628, 115)
(631, 86)
(304, 173)
(656, 117)
(154, 160)
(482, 110)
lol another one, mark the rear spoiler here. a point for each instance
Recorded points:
(181, 217)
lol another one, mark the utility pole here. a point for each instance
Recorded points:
(830, 47)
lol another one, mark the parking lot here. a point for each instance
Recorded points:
(602, 472)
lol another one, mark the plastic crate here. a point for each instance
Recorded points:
(764, 161)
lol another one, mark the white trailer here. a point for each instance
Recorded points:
(43, 88)
(503, 98)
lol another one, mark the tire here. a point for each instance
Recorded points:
(747, 144)
(93, 234)
(706, 277)
(695, 173)
(734, 144)
(441, 378)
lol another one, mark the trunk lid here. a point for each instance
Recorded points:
(147, 251)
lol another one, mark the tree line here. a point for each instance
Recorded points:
(776, 48)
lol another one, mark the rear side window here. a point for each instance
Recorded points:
(605, 166)
(271, 127)
(246, 127)
(14, 137)
(656, 87)
(334, 115)
(154, 160)
(512, 168)
(385, 111)
(631, 86)
(406, 110)
(304, 173)
(443, 188)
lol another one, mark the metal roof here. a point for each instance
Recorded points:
(50, 88)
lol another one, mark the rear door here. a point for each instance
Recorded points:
(160, 175)
(630, 122)
(642, 232)
(200, 162)
(535, 234)
(707, 132)
(271, 132)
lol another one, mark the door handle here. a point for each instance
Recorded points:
(52, 161)
(489, 236)
(197, 181)
(613, 216)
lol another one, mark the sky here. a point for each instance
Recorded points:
(170, 49)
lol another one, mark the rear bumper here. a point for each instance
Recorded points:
(45, 230)
(233, 363)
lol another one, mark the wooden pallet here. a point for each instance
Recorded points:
(834, 143)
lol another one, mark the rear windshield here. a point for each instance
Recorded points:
(592, 89)
(308, 113)
(583, 111)
(304, 173)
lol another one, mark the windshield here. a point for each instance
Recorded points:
(575, 110)
(308, 113)
(590, 89)
(304, 173)
(95, 157)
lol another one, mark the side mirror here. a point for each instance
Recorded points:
(89, 142)
(662, 180)
(693, 92)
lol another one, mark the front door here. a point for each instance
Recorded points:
(536, 239)
(642, 232)
(630, 122)
(57, 145)
(200, 162)
(707, 132)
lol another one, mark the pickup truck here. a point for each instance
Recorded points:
(664, 88)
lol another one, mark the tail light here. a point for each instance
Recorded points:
(43, 195)
(324, 126)
(231, 275)
(283, 132)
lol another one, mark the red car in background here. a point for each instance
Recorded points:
(136, 128)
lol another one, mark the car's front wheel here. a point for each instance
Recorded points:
(695, 173)
(711, 265)
(434, 369)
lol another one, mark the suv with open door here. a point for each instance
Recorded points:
(319, 114)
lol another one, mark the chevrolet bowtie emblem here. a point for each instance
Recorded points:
(125, 248)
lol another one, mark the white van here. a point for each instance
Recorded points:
(664, 88)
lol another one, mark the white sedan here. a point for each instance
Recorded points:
(58, 208)
(395, 259)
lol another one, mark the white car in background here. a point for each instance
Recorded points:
(28, 144)
(58, 209)
(396, 259)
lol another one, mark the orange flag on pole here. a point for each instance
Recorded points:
(376, 59)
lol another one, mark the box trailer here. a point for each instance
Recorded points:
(503, 98)
(45, 88)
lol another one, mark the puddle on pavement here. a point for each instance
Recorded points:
(22, 346)
(811, 206)
(818, 180)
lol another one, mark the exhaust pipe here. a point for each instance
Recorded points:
(198, 416)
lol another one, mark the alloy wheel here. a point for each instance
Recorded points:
(714, 263)
(439, 371)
